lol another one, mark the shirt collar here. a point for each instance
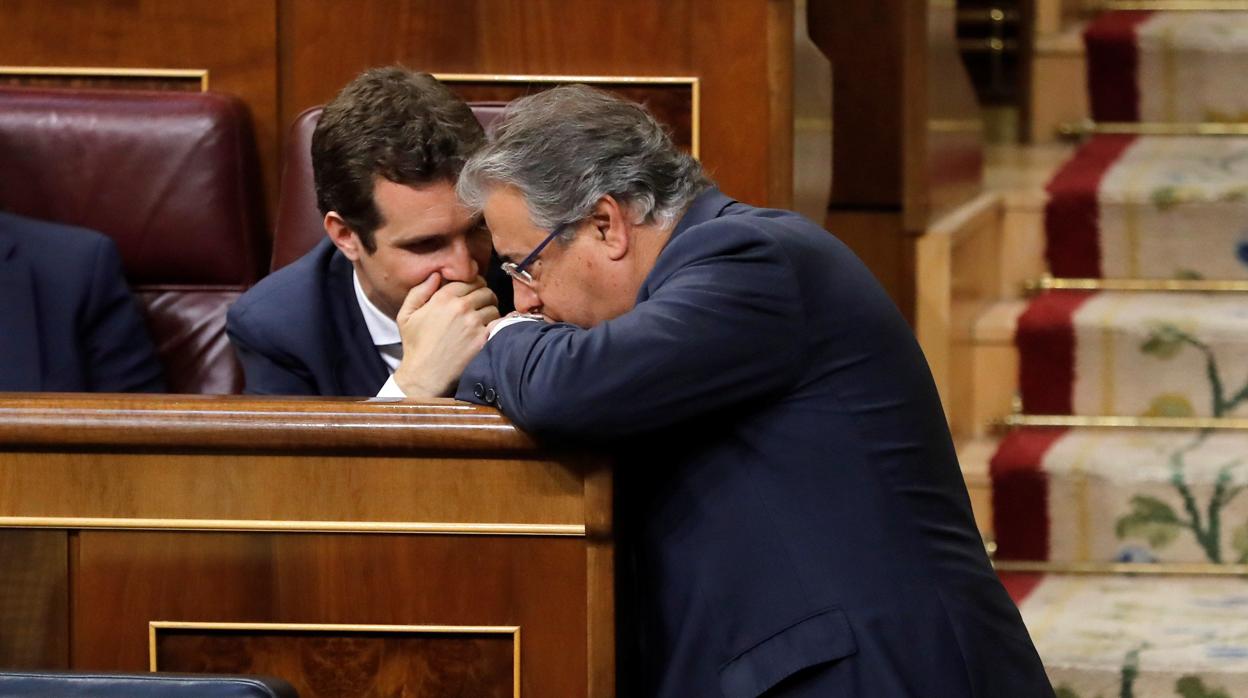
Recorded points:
(381, 327)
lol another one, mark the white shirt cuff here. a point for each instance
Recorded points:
(507, 321)
(391, 389)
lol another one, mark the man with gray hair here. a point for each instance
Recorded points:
(790, 513)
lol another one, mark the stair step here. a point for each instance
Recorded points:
(1168, 66)
(998, 324)
(1151, 208)
(1120, 495)
(1103, 635)
(1020, 174)
(974, 456)
(1134, 354)
(1059, 93)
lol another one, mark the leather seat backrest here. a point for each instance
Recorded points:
(299, 222)
(172, 178)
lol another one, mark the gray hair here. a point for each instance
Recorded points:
(567, 147)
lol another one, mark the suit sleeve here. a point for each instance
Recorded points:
(266, 369)
(715, 332)
(119, 352)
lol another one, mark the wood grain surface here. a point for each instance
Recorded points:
(324, 43)
(346, 664)
(124, 580)
(34, 599)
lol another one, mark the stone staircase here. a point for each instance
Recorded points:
(1118, 500)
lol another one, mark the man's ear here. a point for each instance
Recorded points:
(613, 226)
(343, 237)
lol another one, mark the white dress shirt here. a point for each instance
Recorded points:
(385, 334)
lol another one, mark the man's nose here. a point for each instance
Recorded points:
(460, 264)
(525, 298)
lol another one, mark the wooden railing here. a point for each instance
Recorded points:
(279, 535)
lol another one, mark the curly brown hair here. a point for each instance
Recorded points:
(394, 123)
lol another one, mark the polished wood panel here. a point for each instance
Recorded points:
(728, 45)
(34, 599)
(672, 103)
(282, 56)
(958, 269)
(74, 80)
(952, 150)
(232, 422)
(347, 664)
(868, 96)
(296, 469)
(233, 39)
(907, 137)
(318, 491)
(125, 580)
(600, 572)
(235, 510)
(906, 125)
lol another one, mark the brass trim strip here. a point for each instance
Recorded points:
(611, 79)
(513, 630)
(1050, 283)
(1152, 128)
(261, 526)
(695, 119)
(1199, 569)
(200, 74)
(695, 84)
(991, 45)
(987, 15)
(1170, 5)
(1124, 422)
(955, 126)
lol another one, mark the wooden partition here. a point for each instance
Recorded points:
(907, 135)
(352, 547)
(283, 56)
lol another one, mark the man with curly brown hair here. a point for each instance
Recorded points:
(393, 302)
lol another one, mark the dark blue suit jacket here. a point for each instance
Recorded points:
(300, 330)
(788, 496)
(67, 320)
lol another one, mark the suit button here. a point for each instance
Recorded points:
(478, 391)
(490, 396)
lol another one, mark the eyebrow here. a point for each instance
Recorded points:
(418, 239)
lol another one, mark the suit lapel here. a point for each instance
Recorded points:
(359, 367)
(20, 365)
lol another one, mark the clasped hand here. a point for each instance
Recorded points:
(442, 328)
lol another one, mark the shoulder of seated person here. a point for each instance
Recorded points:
(292, 289)
(54, 245)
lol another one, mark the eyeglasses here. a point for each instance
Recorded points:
(519, 272)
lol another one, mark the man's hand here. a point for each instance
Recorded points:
(442, 329)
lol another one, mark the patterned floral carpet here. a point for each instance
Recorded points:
(1168, 66)
(1139, 637)
(1140, 208)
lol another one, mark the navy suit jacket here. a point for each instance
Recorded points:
(67, 320)
(788, 497)
(300, 330)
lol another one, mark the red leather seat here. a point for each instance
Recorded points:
(172, 178)
(299, 221)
